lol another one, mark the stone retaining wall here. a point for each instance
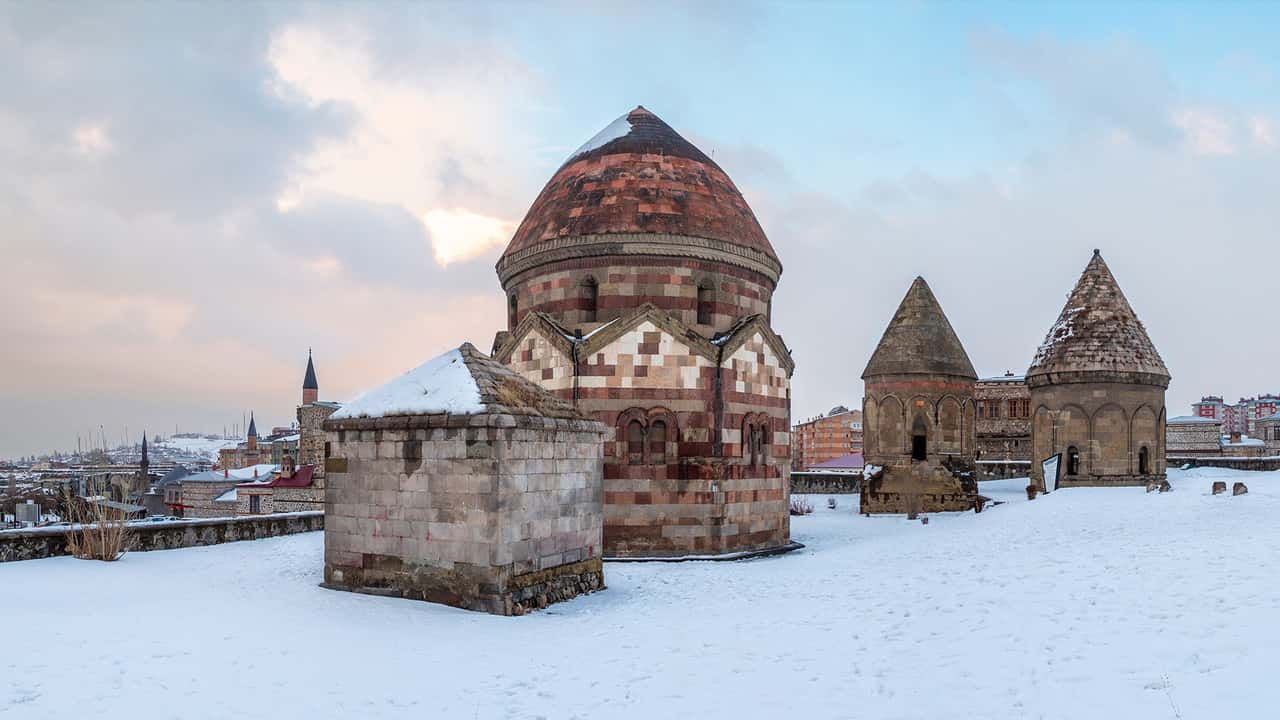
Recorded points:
(1260, 464)
(51, 542)
(803, 483)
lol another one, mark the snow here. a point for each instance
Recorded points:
(442, 384)
(1084, 603)
(614, 130)
(228, 496)
(201, 447)
(1191, 419)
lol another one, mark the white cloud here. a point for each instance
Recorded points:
(91, 138)
(1205, 132)
(459, 234)
(412, 132)
(1264, 131)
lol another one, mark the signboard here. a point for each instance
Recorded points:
(1050, 468)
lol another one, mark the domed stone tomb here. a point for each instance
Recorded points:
(1098, 390)
(639, 289)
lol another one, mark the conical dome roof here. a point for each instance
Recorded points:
(920, 340)
(639, 176)
(1098, 332)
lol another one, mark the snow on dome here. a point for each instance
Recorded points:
(440, 385)
(614, 130)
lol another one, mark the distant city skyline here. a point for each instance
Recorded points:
(194, 195)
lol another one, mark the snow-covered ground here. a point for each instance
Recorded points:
(1088, 603)
(205, 448)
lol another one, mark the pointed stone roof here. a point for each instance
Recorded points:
(253, 427)
(463, 381)
(309, 380)
(920, 340)
(1098, 333)
(639, 177)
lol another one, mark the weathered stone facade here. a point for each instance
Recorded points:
(1097, 389)
(1267, 430)
(639, 287)
(1003, 413)
(918, 414)
(1190, 435)
(498, 510)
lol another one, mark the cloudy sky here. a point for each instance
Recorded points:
(192, 195)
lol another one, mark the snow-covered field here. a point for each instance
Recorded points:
(1088, 603)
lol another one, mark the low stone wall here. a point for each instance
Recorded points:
(51, 542)
(811, 483)
(1260, 464)
(1003, 469)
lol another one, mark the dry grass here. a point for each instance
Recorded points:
(97, 533)
(801, 506)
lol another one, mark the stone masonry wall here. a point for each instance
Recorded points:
(52, 542)
(670, 283)
(497, 513)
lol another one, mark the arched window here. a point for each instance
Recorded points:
(704, 304)
(761, 454)
(513, 306)
(590, 290)
(658, 443)
(1144, 461)
(635, 443)
(1073, 461)
(919, 440)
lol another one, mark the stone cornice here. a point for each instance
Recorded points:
(624, 244)
(1042, 379)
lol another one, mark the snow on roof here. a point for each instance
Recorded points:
(288, 438)
(1245, 441)
(1193, 419)
(442, 384)
(228, 496)
(1004, 378)
(614, 130)
(573, 338)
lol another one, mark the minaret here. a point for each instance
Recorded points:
(310, 388)
(253, 433)
(143, 464)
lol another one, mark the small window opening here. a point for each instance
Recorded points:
(635, 443)
(590, 292)
(704, 305)
(1073, 461)
(658, 443)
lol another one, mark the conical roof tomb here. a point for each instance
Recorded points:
(1098, 332)
(253, 427)
(920, 340)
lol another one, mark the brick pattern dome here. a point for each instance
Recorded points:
(639, 176)
(1098, 333)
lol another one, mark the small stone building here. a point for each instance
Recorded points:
(1097, 389)
(918, 414)
(1193, 436)
(1267, 430)
(462, 483)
